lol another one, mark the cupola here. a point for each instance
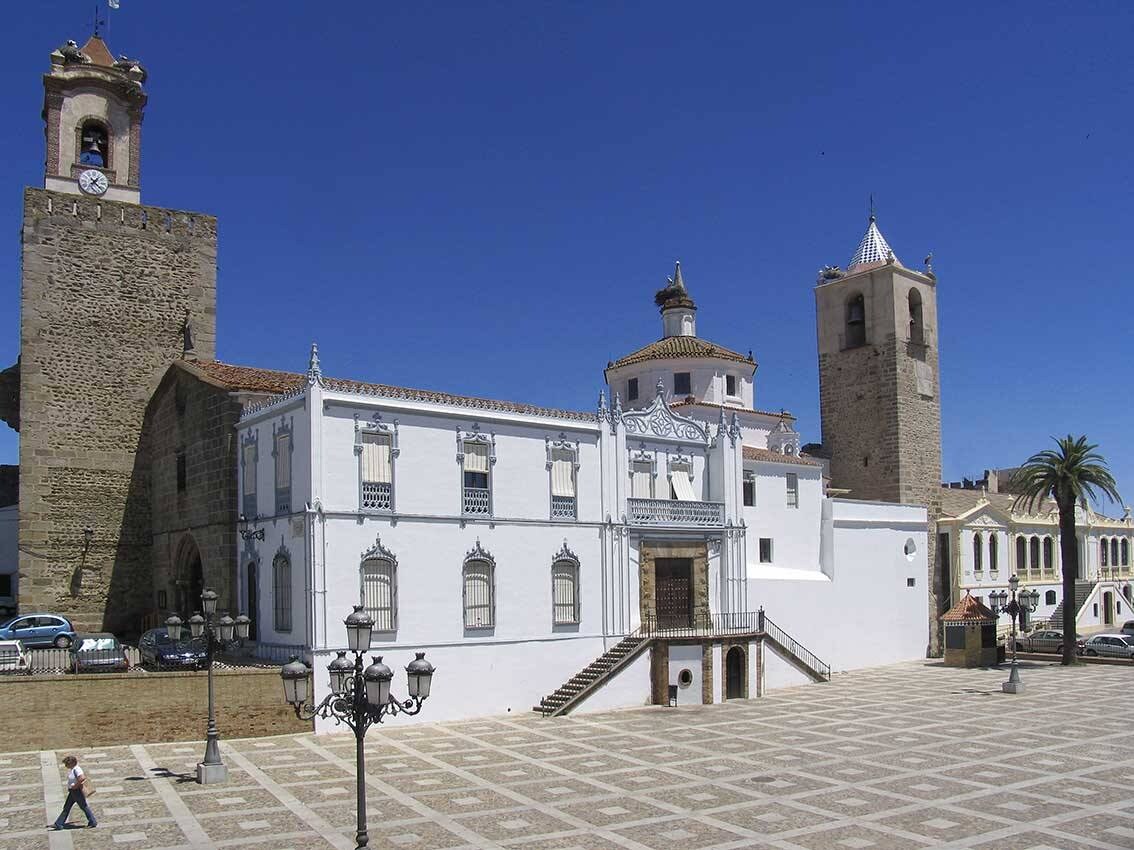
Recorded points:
(679, 313)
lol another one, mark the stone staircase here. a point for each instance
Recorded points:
(1082, 591)
(592, 677)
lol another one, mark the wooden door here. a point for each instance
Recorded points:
(674, 592)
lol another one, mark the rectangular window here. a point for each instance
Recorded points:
(248, 487)
(182, 472)
(283, 473)
(681, 384)
(730, 385)
(792, 490)
(641, 479)
(562, 484)
(749, 490)
(565, 593)
(478, 591)
(632, 389)
(477, 495)
(378, 593)
(765, 550)
(377, 473)
(6, 584)
(281, 593)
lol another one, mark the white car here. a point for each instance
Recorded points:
(1110, 646)
(14, 657)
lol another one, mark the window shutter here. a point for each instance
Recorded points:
(283, 461)
(562, 473)
(476, 457)
(565, 592)
(641, 480)
(376, 459)
(681, 485)
(249, 469)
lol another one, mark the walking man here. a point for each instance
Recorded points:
(76, 793)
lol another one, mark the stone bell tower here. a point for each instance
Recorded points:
(112, 291)
(879, 393)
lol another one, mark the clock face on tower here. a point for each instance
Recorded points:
(93, 182)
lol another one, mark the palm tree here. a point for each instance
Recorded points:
(1070, 475)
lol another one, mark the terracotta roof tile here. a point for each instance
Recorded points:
(753, 453)
(271, 381)
(679, 347)
(968, 610)
(98, 52)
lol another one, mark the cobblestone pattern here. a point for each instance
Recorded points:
(105, 290)
(904, 757)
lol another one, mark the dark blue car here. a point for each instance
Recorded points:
(158, 651)
(38, 630)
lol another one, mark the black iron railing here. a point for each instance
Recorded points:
(793, 647)
(700, 624)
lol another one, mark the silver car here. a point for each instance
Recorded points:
(1111, 646)
(1045, 640)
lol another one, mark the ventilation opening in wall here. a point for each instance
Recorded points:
(685, 678)
(911, 582)
(910, 550)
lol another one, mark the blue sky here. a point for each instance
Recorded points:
(483, 197)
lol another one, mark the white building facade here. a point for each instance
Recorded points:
(988, 540)
(516, 544)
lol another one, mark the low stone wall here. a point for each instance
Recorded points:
(104, 709)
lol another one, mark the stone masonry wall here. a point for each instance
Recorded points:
(105, 291)
(191, 415)
(104, 709)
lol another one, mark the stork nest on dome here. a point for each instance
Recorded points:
(673, 295)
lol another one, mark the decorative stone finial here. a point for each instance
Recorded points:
(602, 400)
(676, 280)
(314, 370)
(659, 388)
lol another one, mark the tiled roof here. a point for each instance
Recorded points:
(955, 501)
(689, 401)
(753, 453)
(968, 610)
(250, 379)
(872, 249)
(98, 52)
(677, 347)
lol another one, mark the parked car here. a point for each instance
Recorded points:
(34, 630)
(1128, 627)
(1112, 646)
(98, 653)
(1044, 640)
(14, 657)
(157, 650)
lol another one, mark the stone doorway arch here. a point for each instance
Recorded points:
(190, 577)
(1108, 608)
(735, 668)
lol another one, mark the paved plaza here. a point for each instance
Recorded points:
(908, 756)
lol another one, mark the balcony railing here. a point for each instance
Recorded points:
(478, 501)
(562, 507)
(376, 496)
(675, 512)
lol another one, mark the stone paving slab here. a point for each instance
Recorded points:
(902, 757)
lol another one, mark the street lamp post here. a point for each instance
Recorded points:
(1014, 606)
(359, 698)
(211, 769)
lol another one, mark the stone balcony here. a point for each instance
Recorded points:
(673, 512)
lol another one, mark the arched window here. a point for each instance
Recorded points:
(1103, 552)
(1049, 598)
(1125, 550)
(379, 576)
(1021, 553)
(856, 321)
(1048, 554)
(94, 144)
(993, 551)
(478, 577)
(1114, 551)
(978, 552)
(565, 587)
(281, 590)
(917, 329)
(1035, 549)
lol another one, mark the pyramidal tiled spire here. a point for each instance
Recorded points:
(873, 248)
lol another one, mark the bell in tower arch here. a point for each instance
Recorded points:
(93, 146)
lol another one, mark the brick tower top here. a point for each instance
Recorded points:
(92, 107)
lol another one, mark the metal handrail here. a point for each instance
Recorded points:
(794, 647)
(703, 623)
